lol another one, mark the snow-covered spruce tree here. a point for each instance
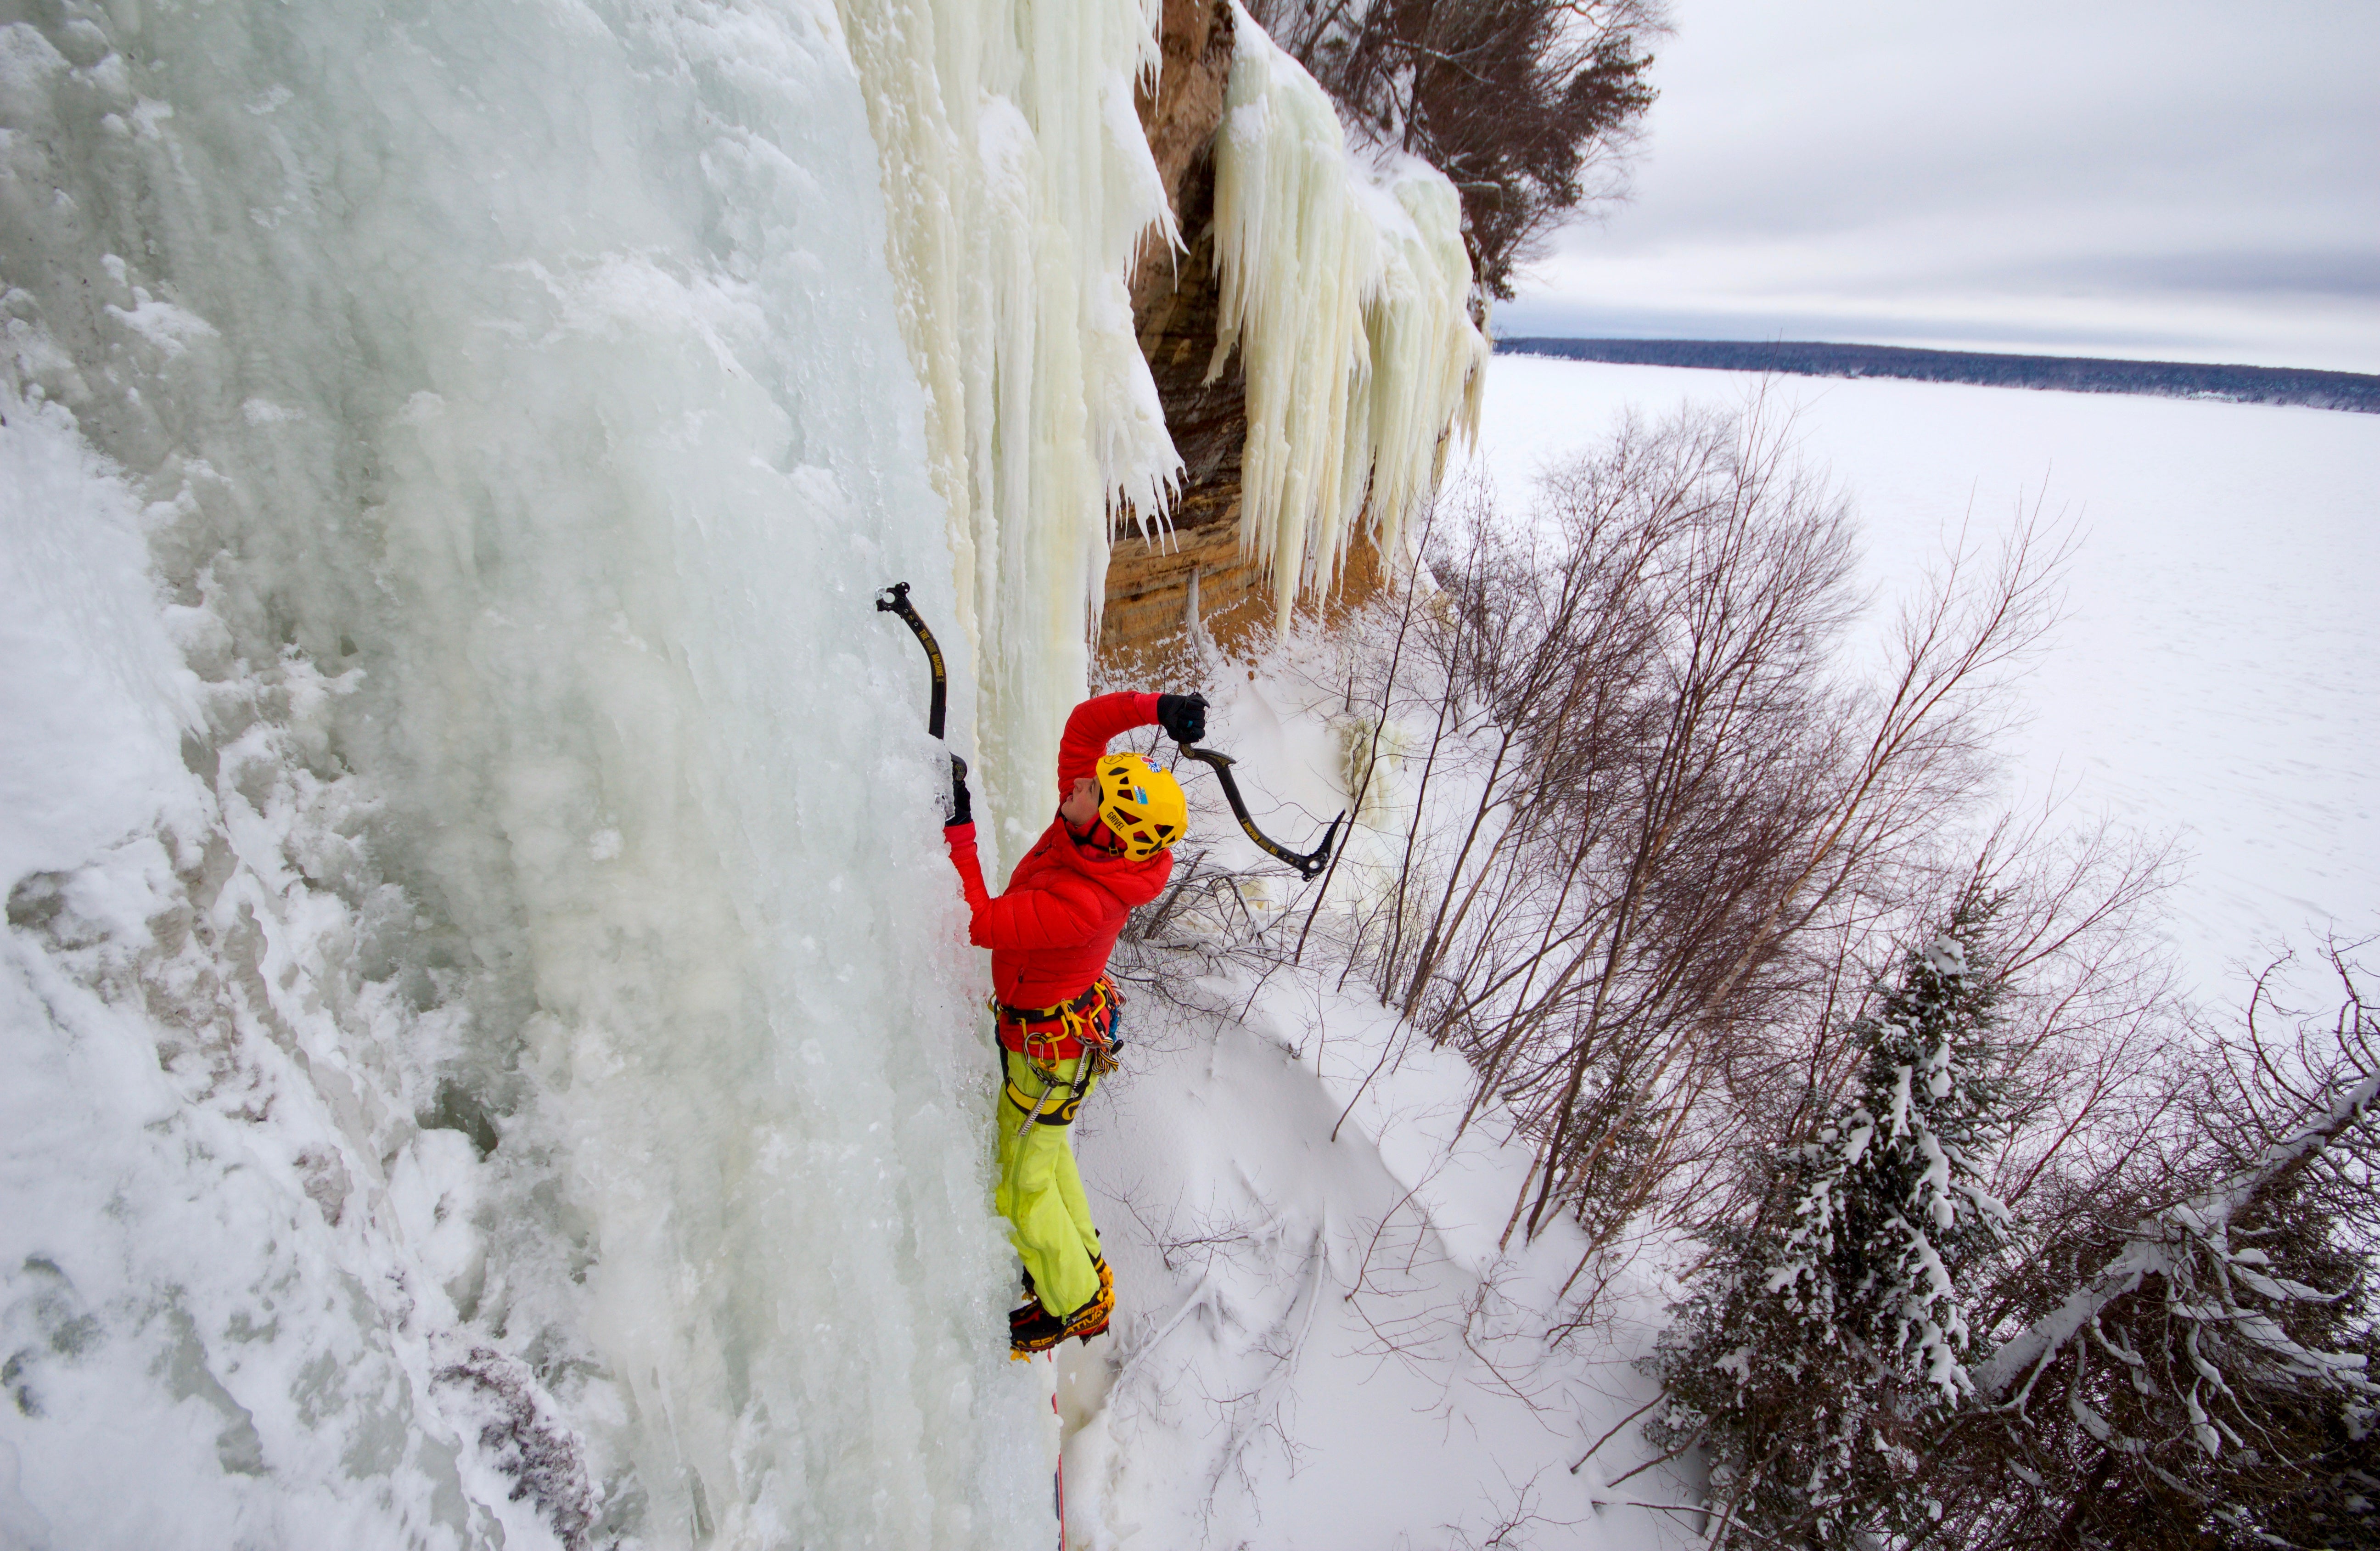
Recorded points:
(1824, 1351)
(2205, 1390)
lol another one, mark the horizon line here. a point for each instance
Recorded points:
(1501, 342)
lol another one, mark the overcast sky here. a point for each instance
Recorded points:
(2180, 180)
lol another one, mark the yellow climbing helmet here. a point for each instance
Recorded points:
(1141, 803)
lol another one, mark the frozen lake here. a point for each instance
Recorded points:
(2210, 679)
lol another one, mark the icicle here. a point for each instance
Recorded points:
(1345, 289)
(1019, 189)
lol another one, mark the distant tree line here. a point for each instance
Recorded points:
(2236, 384)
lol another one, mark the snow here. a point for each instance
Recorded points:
(94, 692)
(1321, 1342)
(1327, 1334)
(2208, 680)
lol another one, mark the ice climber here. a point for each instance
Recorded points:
(1109, 850)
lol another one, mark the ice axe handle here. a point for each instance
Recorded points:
(894, 600)
(1308, 865)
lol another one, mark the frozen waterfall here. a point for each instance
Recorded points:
(495, 1060)
(492, 1056)
(1020, 187)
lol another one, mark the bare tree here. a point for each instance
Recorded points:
(1656, 827)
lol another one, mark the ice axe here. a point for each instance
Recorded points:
(1309, 865)
(894, 600)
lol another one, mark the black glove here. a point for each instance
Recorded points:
(1184, 716)
(962, 807)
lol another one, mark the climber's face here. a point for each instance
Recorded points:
(1081, 812)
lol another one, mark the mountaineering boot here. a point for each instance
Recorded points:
(1031, 1327)
(1022, 1319)
(1090, 1320)
(1032, 1330)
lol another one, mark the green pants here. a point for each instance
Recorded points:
(1040, 1191)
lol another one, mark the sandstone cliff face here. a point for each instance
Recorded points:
(1176, 301)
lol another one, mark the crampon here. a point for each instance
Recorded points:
(1032, 1329)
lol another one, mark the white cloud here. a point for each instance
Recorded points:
(2188, 178)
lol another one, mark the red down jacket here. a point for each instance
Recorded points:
(1050, 930)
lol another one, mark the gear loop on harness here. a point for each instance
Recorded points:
(1088, 1027)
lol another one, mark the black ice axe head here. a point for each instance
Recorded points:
(894, 600)
(1308, 865)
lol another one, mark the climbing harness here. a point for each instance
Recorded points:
(1090, 1026)
(1062, 1032)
